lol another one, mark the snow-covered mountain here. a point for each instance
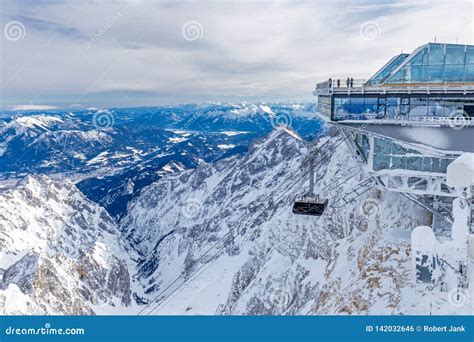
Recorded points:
(60, 252)
(264, 259)
(228, 230)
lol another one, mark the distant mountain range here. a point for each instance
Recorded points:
(113, 153)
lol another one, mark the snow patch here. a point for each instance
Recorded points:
(460, 173)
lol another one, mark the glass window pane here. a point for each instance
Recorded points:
(381, 162)
(453, 107)
(418, 106)
(392, 107)
(433, 73)
(469, 107)
(397, 150)
(404, 109)
(427, 164)
(455, 55)
(371, 105)
(436, 55)
(470, 55)
(418, 59)
(357, 105)
(436, 107)
(324, 105)
(469, 74)
(415, 74)
(388, 68)
(435, 167)
(399, 163)
(444, 165)
(414, 163)
(341, 107)
(399, 77)
(454, 72)
(382, 146)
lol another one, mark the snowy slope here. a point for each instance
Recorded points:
(60, 253)
(237, 213)
(353, 260)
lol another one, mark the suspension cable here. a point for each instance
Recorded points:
(183, 274)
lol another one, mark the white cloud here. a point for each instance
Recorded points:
(32, 107)
(122, 53)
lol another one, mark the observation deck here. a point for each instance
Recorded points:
(410, 120)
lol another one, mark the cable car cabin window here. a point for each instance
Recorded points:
(312, 208)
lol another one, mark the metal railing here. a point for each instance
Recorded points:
(335, 83)
(454, 122)
(362, 86)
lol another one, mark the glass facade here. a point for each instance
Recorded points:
(358, 108)
(436, 63)
(400, 107)
(387, 69)
(390, 155)
(324, 105)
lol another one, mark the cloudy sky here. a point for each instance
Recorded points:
(81, 53)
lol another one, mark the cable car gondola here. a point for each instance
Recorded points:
(309, 203)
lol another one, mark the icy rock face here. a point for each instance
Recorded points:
(370, 272)
(59, 250)
(277, 262)
(176, 219)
